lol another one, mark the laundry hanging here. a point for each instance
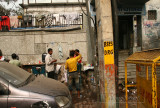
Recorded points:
(60, 52)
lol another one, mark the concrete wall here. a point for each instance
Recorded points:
(30, 45)
(151, 28)
(34, 10)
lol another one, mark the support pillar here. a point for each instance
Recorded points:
(106, 53)
(135, 33)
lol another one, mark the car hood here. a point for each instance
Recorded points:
(46, 86)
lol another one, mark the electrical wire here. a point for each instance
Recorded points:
(85, 13)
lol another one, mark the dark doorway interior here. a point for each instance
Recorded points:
(125, 32)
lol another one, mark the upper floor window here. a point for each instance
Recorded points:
(152, 15)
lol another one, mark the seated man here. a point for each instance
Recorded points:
(15, 61)
(71, 65)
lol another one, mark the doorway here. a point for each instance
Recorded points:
(125, 32)
(130, 40)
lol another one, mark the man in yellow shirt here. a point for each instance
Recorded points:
(71, 66)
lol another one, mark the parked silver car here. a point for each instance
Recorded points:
(20, 89)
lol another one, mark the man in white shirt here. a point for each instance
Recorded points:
(50, 64)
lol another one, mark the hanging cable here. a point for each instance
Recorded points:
(85, 13)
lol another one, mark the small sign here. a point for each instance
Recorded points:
(109, 52)
(130, 11)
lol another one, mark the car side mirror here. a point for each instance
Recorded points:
(4, 90)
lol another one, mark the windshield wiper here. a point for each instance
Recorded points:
(28, 80)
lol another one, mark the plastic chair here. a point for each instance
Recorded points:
(43, 70)
(34, 70)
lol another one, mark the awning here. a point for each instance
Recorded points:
(49, 4)
(131, 3)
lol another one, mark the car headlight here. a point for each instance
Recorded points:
(62, 100)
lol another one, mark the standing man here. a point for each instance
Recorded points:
(79, 66)
(14, 60)
(50, 64)
(71, 66)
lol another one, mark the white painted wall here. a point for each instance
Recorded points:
(151, 28)
(54, 9)
(30, 45)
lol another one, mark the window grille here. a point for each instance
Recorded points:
(152, 14)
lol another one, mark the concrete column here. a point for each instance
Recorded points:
(135, 33)
(106, 53)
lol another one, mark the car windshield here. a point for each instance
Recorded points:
(13, 74)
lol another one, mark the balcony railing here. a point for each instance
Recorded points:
(49, 21)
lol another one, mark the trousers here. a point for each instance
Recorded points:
(73, 76)
(52, 75)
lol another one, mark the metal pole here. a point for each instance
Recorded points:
(154, 86)
(116, 45)
(126, 88)
(137, 84)
(147, 72)
(93, 37)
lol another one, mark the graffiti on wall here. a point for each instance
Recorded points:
(60, 19)
(152, 29)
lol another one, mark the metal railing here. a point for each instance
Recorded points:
(50, 21)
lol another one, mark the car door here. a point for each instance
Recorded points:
(17, 97)
(20, 98)
(3, 95)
